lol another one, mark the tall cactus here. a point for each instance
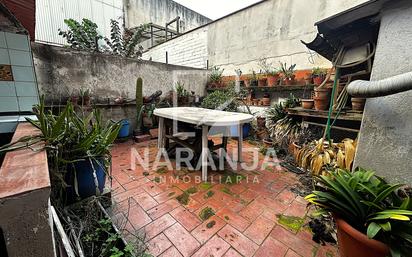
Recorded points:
(139, 103)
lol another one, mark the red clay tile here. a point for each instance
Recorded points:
(291, 253)
(234, 219)
(193, 205)
(163, 208)
(273, 248)
(171, 252)
(259, 229)
(138, 217)
(187, 219)
(167, 195)
(286, 196)
(294, 242)
(249, 195)
(232, 253)
(296, 209)
(238, 241)
(215, 247)
(158, 245)
(145, 201)
(127, 194)
(152, 189)
(208, 228)
(236, 205)
(252, 211)
(327, 251)
(135, 183)
(158, 226)
(182, 239)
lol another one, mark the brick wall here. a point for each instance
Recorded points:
(187, 50)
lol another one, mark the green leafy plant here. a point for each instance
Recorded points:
(368, 203)
(84, 36)
(181, 90)
(292, 101)
(288, 72)
(224, 100)
(216, 75)
(319, 72)
(267, 67)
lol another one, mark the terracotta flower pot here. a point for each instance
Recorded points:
(354, 243)
(322, 92)
(262, 82)
(308, 80)
(293, 149)
(255, 101)
(289, 81)
(358, 104)
(317, 80)
(266, 101)
(321, 104)
(272, 80)
(307, 103)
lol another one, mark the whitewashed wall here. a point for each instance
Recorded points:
(187, 50)
(272, 29)
(50, 15)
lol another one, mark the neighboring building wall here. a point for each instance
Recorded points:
(50, 15)
(188, 50)
(160, 12)
(62, 71)
(271, 29)
(385, 142)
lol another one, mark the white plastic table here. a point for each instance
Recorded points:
(203, 118)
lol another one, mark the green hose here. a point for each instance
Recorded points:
(335, 82)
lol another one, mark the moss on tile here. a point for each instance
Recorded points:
(211, 224)
(209, 194)
(171, 194)
(206, 213)
(205, 185)
(227, 218)
(161, 170)
(191, 190)
(145, 173)
(291, 222)
(183, 198)
(230, 177)
(157, 179)
(226, 190)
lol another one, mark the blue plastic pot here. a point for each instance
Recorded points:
(124, 129)
(246, 130)
(83, 172)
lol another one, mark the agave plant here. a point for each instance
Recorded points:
(320, 156)
(369, 204)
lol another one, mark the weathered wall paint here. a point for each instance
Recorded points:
(160, 12)
(272, 29)
(385, 142)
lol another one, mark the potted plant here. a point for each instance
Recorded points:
(215, 78)
(318, 75)
(262, 80)
(272, 74)
(288, 73)
(182, 94)
(307, 103)
(85, 97)
(321, 98)
(253, 80)
(78, 149)
(373, 217)
(266, 99)
(358, 104)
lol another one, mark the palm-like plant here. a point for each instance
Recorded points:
(369, 204)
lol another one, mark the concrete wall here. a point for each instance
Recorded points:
(160, 12)
(272, 29)
(188, 50)
(61, 71)
(385, 143)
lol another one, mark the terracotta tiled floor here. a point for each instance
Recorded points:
(245, 221)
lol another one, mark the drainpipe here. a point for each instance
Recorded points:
(383, 87)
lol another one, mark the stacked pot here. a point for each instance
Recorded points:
(321, 98)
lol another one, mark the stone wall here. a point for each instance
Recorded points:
(271, 29)
(385, 142)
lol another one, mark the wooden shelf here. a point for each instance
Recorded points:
(272, 89)
(344, 115)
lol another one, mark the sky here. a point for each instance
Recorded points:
(215, 9)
